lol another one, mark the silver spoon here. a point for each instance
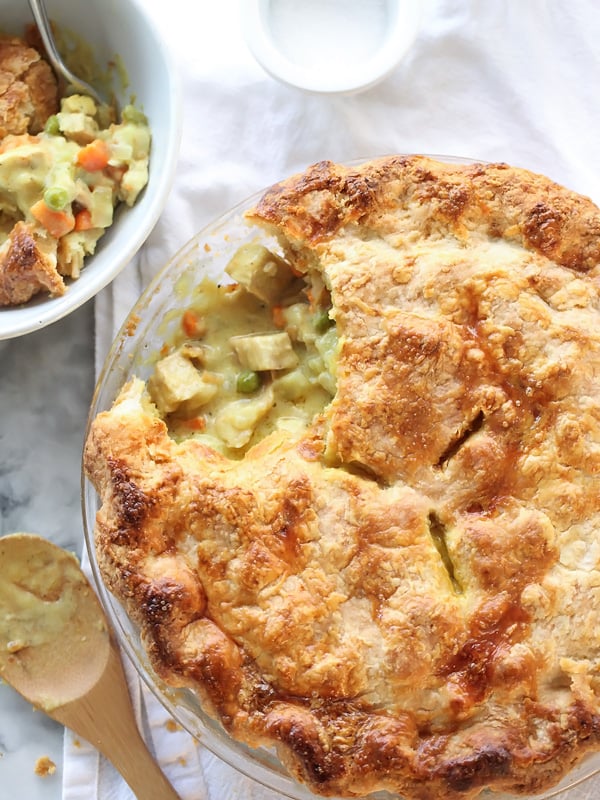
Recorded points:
(40, 15)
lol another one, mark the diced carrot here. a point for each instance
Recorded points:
(164, 350)
(278, 317)
(94, 156)
(57, 223)
(83, 220)
(196, 423)
(190, 323)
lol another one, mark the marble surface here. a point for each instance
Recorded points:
(46, 384)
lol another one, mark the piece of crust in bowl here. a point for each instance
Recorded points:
(27, 266)
(406, 596)
(28, 88)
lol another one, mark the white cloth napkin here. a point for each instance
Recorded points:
(509, 81)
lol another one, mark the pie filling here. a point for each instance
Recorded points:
(252, 357)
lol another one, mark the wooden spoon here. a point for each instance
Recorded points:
(57, 651)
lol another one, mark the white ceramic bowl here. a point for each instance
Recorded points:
(333, 47)
(152, 321)
(122, 28)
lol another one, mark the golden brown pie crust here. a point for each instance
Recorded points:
(25, 269)
(407, 597)
(28, 88)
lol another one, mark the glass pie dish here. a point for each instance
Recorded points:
(153, 321)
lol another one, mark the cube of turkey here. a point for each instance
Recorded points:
(261, 272)
(265, 351)
(177, 384)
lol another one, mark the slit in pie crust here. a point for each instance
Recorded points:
(404, 594)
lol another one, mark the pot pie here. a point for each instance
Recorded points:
(355, 508)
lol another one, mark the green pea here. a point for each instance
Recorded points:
(248, 381)
(56, 198)
(52, 127)
(322, 321)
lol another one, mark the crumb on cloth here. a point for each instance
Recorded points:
(44, 766)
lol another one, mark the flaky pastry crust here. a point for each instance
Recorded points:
(27, 266)
(28, 88)
(406, 597)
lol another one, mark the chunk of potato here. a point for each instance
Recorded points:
(261, 272)
(78, 104)
(101, 207)
(265, 351)
(235, 422)
(292, 385)
(299, 322)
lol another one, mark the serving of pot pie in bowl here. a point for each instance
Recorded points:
(82, 184)
(343, 482)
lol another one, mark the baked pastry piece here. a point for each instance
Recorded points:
(26, 267)
(405, 594)
(28, 88)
